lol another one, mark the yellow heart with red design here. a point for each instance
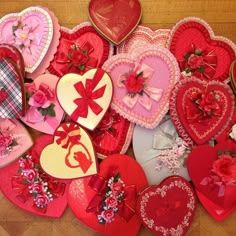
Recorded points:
(87, 97)
(75, 156)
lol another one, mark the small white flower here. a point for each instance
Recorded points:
(233, 132)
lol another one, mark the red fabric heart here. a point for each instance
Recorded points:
(200, 165)
(168, 208)
(194, 31)
(115, 19)
(80, 49)
(200, 110)
(18, 192)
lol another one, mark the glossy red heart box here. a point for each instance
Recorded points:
(115, 20)
(200, 110)
(18, 192)
(168, 208)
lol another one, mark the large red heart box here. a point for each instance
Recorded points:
(196, 47)
(18, 193)
(201, 111)
(200, 164)
(168, 208)
(115, 20)
(86, 196)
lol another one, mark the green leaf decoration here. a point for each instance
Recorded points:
(220, 153)
(201, 69)
(19, 170)
(82, 67)
(198, 52)
(187, 70)
(34, 194)
(24, 181)
(186, 56)
(14, 143)
(139, 74)
(85, 52)
(69, 56)
(227, 152)
(233, 154)
(117, 177)
(50, 110)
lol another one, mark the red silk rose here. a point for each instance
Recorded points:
(195, 61)
(108, 215)
(5, 141)
(134, 83)
(117, 188)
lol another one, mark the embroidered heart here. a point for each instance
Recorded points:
(14, 141)
(28, 187)
(31, 31)
(199, 52)
(214, 176)
(160, 151)
(80, 49)
(201, 110)
(75, 153)
(88, 96)
(112, 135)
(11, 52)
(12, 89)
(44, 112)
(142, 36)
(168, 208)
(142, 84)
(115, 20)
(106, 202)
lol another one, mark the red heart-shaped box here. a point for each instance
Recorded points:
(115, 20)
(200, 166)
(168, 208)
(199, 51)
(18, 192)
(233, 75)
(201, 111)
(86, 194)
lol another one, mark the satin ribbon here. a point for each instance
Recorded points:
(88, 96)
(126, 208)
(70, 55)
(149, 93)
(69, 135)
(209, 63)
(204, 107)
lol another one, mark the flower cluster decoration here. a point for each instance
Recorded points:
(40, 102)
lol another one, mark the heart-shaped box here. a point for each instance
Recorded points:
(117, 177)
(209, 169)
(26, 185)
(75, 153)
(142, 36)
(12, 95)
(112, 135)
(80, 49)
(115, 20)
(199, 52)
(142, 84)
(160, 151)
(194, 120)
(44, 111)
(233, 75)
(31, 31)
(168, 208)
(15, 141)
(88, 96)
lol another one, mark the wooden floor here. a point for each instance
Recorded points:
(221, 15)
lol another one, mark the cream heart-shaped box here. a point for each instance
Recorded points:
(142, 84)
(85, 98)
(71, 155)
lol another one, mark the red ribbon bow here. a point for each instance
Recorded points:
(74, 59)
(88, 95)
(126, 208)
(69, 134)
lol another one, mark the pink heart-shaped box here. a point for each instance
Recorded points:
(144, 99)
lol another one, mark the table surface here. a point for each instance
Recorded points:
(221, 15)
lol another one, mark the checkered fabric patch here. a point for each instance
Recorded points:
(11, 107)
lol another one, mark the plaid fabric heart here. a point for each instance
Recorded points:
(12, 102)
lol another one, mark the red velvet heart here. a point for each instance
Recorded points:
(115, 20)
(168, 208)
(86, 196)
(80, 49)
(112, 135)
(18, 193)
(200, 164)
(211, 55)
(200, 110)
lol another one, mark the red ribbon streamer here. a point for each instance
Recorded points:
(88, 95)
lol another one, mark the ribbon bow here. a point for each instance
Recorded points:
(199, 63)
(143, 94)
(69, 134)
(88, 96)
(126, 208)
(75, 59)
